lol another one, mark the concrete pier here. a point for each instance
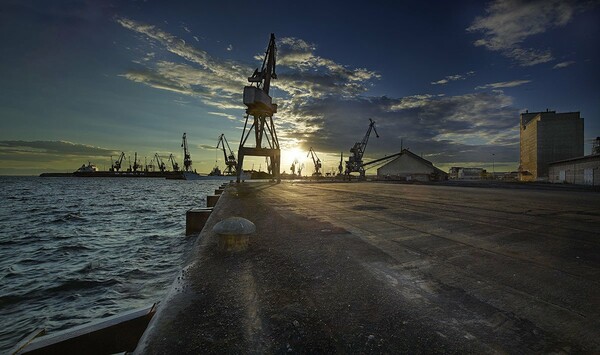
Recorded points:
(367, 267)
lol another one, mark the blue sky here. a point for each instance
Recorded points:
(84, 80)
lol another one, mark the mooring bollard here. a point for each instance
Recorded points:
(195, 219)
(211, 200)
(234, 233)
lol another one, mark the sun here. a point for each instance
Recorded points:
(289, 155)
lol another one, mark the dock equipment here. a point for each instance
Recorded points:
(187, 159)
(161, 165)
(261, 108)
(230, 161)
(173, 162)
(136, 165)
(355, 163)
(316, 161)
(116, 166)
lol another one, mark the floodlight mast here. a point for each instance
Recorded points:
(261, 108)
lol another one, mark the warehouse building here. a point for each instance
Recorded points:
(411, 167)
(579, 171)
(548, 137)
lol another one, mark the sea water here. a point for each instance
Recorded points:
(73, 250)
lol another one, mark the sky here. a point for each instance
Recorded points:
(81, 81)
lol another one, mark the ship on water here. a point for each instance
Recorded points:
(158, 168)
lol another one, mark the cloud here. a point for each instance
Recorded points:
(455, 77)
(62, 148)
(509, 23)
(325, 104)
(564, 64)
(222, 114)
(230, 48)
(503, 84)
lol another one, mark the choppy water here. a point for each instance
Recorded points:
(77, 249)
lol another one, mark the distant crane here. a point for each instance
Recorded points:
(230, 161)
(293, 167)
(116, 166)
(187, 159)
(159, 162)
(261, 108)
(136, 165)
(173, 162)
(355, 162)
(316, 161)
(341, 166)
(300, 169)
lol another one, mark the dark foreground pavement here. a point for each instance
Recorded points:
(367, 267)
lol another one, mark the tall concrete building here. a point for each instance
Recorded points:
(548, 137)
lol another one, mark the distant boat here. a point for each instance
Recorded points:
(90, 168)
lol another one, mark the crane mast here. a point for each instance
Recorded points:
(173, 162)
(316, 161)
(187, 159)
(230, 161)
(355, 162)
(117, 165)
(261, 108)
(136, 165)
(341, 166)
(160, 163)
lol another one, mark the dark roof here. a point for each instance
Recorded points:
(425, 161)
(585, 157)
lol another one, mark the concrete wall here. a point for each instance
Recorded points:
(584, 171)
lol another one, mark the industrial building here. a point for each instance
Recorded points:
(548, 137)
(461, 173)
(409, 166)
(580, 171)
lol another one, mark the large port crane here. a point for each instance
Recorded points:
(116, 166)
(187, 159)
(230, 161)
(355, 162)
(136, 165)
(341, 166)
(261, 108)
(161, 165)
(316, 161)
(173, 162)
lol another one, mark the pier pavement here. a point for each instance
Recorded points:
(370, 268)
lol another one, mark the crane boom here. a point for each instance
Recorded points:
(117, 165)
(173, 162)
(187, 159)
(316, 161)
(160, 163)
(230, 160)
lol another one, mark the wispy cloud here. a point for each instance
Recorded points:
(509, 23)
(455, 77)
(564, 64)
(61, 148)
(503, 84)
(230, 48)
(325, 104)
(222, 114)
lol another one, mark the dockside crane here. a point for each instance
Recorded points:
(316, 161)
(230, 161)
(355, 162)
(136, 165)
(173, 162)
(161, 165)
(293, 167)
(261, 108)
(117, 165)
(187, 159)
(341, 166)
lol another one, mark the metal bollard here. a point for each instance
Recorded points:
(234, 234)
